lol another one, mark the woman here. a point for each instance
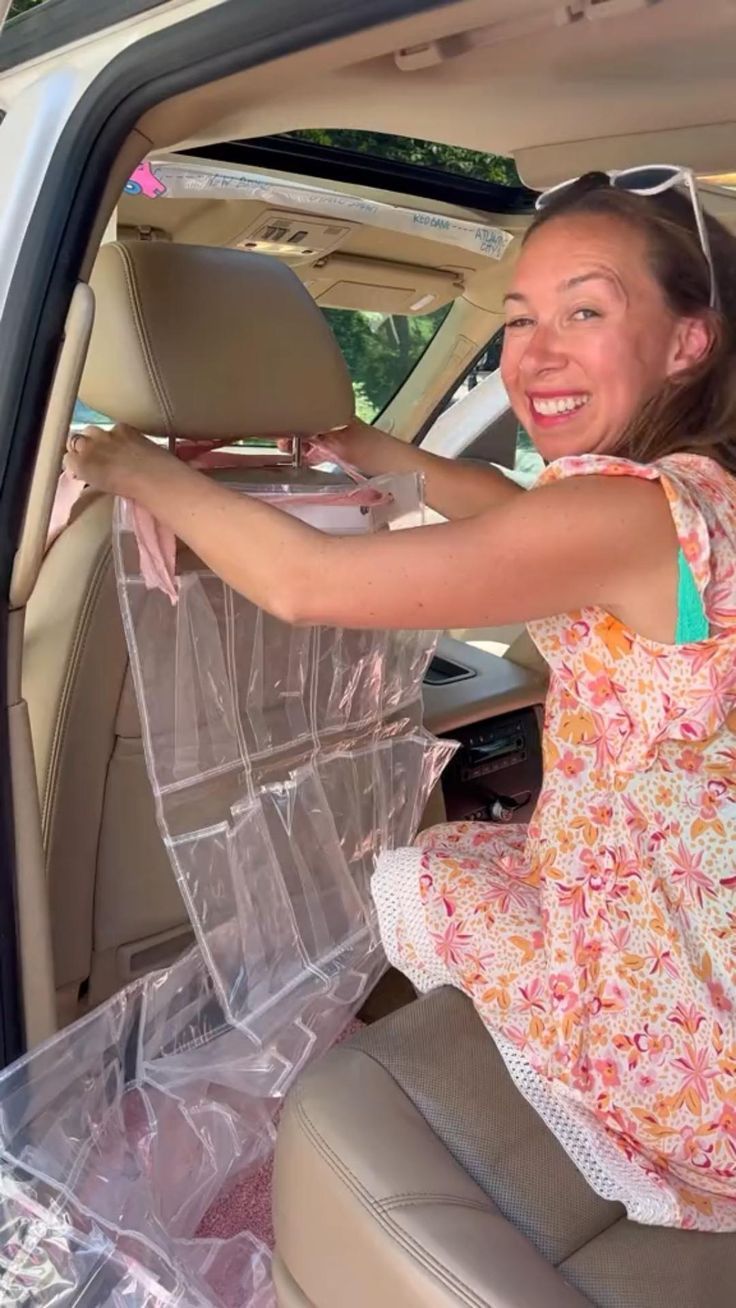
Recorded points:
(599, 944)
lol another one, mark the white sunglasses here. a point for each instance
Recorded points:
(651, 180)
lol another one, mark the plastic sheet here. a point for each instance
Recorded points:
(117, 1136)
(169, 178)
(283, 761)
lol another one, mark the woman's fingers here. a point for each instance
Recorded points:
(107, 460)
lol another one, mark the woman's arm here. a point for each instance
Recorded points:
(452, 488)
(585, 541)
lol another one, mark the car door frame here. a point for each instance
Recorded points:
(46, 257)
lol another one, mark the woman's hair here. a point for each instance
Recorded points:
(694, 410)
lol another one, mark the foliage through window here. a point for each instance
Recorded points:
(19, 7)
(381, 351)
(413, 150)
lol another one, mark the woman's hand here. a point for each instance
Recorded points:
(116, 461)
(343, 442)
(453, 487)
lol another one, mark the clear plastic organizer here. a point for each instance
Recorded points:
(283, 761)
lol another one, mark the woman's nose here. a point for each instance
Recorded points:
(543, 350)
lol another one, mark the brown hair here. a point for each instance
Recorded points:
(695, 410)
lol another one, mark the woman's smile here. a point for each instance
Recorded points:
(552, 408)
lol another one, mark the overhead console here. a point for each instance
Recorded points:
(372, 252)
(494, 708)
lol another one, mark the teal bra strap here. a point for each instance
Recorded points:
(692, 624)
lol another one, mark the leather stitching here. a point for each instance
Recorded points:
(377, 1210)
(79, 644)
(147, 351)
(559, 1263)
(418, 1198)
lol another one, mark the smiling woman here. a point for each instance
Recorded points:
(644, 391)
(584, 353)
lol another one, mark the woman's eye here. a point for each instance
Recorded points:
(582, 315)
(519, 322)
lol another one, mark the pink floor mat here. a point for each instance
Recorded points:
(246, 1206)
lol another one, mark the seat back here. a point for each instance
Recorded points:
(283, 759)
(189, 342)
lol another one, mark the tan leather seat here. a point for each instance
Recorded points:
(188, 342)
(411, 1173)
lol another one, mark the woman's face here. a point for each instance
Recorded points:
(589, 336)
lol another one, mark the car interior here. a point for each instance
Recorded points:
(409, 1170)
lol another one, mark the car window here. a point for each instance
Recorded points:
(517, 456)
(521, 461)
(381, 350)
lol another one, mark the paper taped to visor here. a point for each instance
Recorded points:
(174, 180)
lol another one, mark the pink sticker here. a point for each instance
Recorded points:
(144, 182)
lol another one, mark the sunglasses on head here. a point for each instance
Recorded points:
(650, 180)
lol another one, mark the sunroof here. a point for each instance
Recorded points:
(416, 152)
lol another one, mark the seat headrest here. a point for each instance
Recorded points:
(210, 344)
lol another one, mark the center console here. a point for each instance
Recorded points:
(496, 774)
(494, 709)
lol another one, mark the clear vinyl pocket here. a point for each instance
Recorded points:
(282, 761)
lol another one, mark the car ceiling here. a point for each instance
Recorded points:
(561, 86)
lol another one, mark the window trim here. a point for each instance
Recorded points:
(442, 404)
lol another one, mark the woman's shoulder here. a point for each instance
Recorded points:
(595, 465)
(683, 466)
(701, 493)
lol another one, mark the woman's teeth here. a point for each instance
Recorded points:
(548, 408)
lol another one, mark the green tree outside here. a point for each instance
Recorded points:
(21, 6)
(381, 351)
(412, 150)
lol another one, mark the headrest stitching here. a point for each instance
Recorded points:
(145, 344)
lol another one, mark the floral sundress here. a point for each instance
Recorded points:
(598, 944)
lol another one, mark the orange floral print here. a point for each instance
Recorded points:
(599, 943)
